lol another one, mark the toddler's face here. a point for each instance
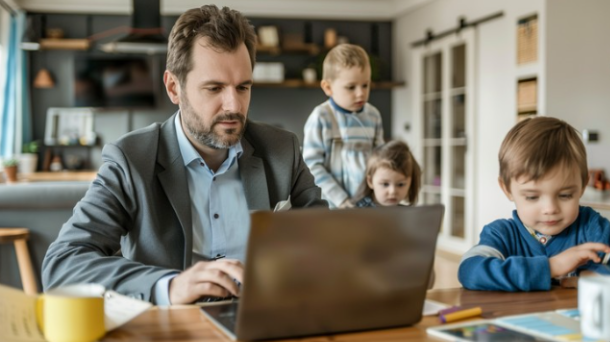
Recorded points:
(350, 90)
(389, 187)
(550, 204)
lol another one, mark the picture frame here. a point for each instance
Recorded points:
(69, 126)
(268, 36)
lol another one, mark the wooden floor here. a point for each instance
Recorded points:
(446, 266)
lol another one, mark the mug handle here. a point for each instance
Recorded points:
(40, 312)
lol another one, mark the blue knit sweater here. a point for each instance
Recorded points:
(509, 258)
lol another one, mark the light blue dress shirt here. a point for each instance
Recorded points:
(221, 220)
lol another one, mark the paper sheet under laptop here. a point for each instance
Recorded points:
(432, 307)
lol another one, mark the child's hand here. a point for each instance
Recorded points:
(568, 260)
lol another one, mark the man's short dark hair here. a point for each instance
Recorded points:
(225, 30)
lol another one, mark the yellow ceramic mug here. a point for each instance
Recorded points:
(72, 313)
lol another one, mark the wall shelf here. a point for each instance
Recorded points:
(297, 83)
(64, 44)
(305, 49)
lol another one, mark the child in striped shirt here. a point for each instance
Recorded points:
(341, 132)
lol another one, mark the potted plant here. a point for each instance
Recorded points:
(28, 160)
(10, 169)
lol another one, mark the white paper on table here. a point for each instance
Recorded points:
(432, 307)
(119, 309)
(18, 316)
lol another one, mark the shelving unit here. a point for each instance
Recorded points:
(527, 97)
(300, 44)
(64, 44)
(64, 152)
(528, 68)
(308, 49)
(297, 83)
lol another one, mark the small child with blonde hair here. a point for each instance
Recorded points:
(550, 238)
(392, 177)
(341, 132)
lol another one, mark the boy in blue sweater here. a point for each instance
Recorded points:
(543, 170)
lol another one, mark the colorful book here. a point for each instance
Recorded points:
(559, 325)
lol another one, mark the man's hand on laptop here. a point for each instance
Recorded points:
(207, 279)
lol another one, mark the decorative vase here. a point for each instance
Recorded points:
(309, 75)
(27, 163)
(11, 174)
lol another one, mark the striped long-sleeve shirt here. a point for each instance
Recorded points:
(360, 132)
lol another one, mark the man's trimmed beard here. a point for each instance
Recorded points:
(207, 135)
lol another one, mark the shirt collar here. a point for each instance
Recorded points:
(190, 154)
(341, 109)
(542, 238)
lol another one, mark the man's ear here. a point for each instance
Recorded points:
(172, 86)
(505, 189)
(326, 88)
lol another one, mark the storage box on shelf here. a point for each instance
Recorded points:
(527, 67)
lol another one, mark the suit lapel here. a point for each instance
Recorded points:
(173, 180)
(252, 172)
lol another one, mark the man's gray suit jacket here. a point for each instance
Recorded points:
(133, 226)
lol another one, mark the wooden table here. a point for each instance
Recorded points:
(187, 323)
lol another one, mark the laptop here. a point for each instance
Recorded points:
(319, 272)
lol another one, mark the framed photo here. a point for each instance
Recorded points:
(69, 126)
(268, 36)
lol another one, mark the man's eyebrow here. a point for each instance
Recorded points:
(211, 82)
(219, 83)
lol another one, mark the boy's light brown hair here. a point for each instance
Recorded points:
(535, 146)
(396, 156)
(343, 56)
(225, 30)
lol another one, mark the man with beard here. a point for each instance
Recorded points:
(167, 218)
